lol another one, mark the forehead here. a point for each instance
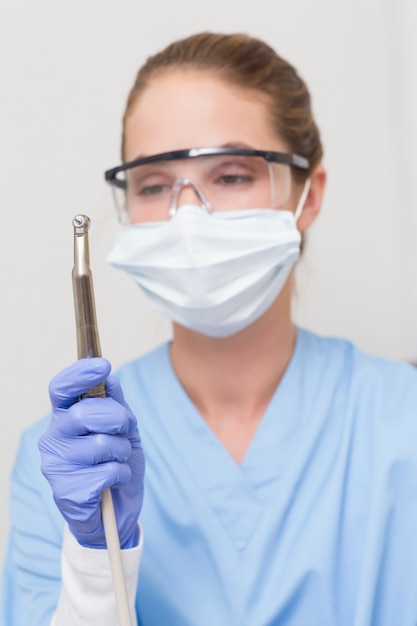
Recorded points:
(184, 109)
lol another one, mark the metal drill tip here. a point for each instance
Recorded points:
(81, 221)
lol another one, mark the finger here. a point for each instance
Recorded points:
(85, 485)
(67, 386)
(82, 452)
(114, 389)
(92, 415)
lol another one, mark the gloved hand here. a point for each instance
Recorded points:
(90, 445)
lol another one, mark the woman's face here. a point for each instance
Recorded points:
(183, 109)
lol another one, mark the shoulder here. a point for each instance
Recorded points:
(378, 386)
(348, 356)
(27, 453)
(146, 367)
(26, 472)
(30, 493)
(146, 379)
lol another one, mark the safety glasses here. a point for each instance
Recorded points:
(221, 179)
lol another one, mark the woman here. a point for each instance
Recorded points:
(281, 467)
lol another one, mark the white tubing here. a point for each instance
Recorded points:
(115, 557)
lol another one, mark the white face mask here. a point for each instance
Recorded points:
(215, 273)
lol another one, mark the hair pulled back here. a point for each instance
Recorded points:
(246, 62)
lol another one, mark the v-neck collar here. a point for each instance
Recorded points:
(237, 494)
(275, 440)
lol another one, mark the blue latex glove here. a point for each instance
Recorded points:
(91, 445)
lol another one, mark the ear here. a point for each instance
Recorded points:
(314, 199)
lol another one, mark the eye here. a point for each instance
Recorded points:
(149, 191)
(234, 179)
(232, 173)
(148, 184)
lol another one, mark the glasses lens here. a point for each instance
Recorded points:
(119, 196)
(144, 193)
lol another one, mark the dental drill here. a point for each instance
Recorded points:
(88, 345)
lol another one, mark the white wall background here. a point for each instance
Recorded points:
(65, 70)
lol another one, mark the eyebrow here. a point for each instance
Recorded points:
(238, 144)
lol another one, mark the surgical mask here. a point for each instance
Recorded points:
(214, 273)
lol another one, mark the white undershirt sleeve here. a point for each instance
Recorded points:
(87, 596)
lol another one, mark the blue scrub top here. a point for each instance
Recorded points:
(318, 525)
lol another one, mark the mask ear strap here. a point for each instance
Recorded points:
(303, 198)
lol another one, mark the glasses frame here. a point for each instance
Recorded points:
(293, 160)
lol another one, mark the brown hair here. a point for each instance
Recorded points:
(251, 63)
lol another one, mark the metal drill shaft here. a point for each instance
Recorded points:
(88, 341)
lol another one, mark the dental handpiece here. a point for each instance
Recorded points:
(88, 341)
(88, 345)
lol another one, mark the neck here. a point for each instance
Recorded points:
(231, 380)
